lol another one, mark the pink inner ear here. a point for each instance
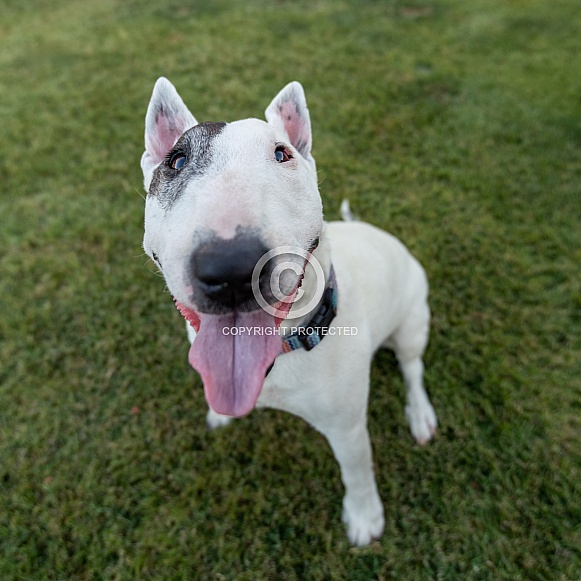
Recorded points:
(165, 135)
(294, 126)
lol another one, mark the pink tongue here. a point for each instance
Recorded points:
(232, 353)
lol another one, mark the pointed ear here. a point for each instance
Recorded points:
(288, 112)
(166, 120)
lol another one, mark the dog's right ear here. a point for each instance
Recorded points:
(166, 120)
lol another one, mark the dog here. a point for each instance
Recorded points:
(232, 207)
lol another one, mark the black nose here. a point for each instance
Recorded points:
(222, 269)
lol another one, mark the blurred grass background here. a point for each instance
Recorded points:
(456, 126)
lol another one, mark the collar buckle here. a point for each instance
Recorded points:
(320, 322)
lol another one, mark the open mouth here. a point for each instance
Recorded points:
(233, 353)
(281, 308)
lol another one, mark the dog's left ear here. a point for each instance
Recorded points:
(166, 120)
(288, 112)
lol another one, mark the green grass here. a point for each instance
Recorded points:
(456, 126)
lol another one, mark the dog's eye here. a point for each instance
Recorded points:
(177, 160)
(282, 154)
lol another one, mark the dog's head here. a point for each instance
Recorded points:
(220, 196)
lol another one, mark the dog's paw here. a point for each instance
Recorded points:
(422, 420)
(364, 519)
(215, 420)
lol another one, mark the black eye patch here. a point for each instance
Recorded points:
(191, 156)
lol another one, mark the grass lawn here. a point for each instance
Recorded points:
(454, 124)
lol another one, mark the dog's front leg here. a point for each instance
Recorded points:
(362, 507)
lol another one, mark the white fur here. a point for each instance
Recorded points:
(382, 288)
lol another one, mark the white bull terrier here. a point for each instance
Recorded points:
(283, 310)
